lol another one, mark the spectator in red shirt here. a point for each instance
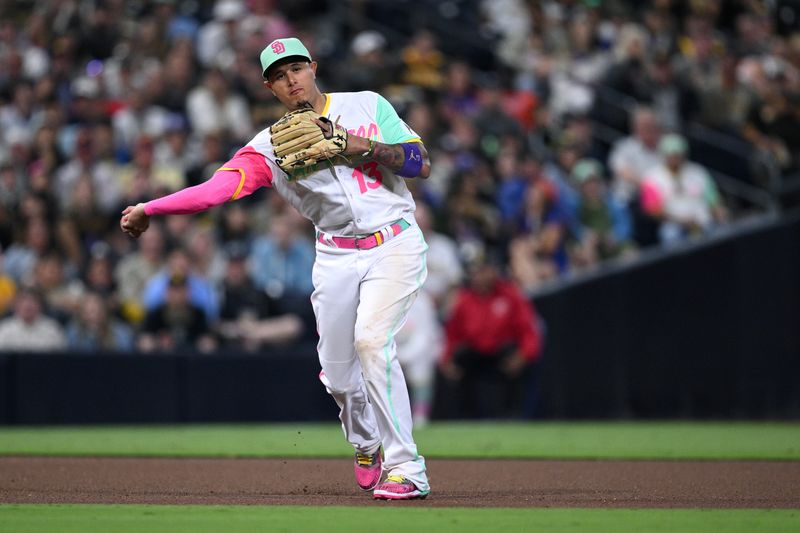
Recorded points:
(492, 339)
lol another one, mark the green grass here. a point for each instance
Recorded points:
(382, 517)
(541, 440)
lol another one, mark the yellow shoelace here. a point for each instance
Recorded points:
(364, 459)
(395, 478)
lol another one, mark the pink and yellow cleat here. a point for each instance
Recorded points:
(398, 488)
(368, 470)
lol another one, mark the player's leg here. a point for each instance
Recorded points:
(396, 273)
(335, 301)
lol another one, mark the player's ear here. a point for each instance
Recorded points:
(313, 66)
(268, 85)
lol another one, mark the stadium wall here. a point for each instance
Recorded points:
(712, 331)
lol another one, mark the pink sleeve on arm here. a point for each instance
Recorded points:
(652, 199)
(246, 172)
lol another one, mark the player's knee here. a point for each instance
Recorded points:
(339, 384)
(369, 347)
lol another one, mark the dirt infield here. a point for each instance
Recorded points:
(621, 484)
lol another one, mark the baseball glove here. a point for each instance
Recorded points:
(300, 141)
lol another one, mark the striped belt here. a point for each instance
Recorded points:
(364, 243)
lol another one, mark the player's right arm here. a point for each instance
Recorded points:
(246, 172)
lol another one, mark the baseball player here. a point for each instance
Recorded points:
(341, 159)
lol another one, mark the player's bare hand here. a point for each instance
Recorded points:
(134, 220)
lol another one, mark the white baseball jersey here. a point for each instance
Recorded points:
(341, 199)
(361, 298)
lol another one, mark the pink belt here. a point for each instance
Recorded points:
(364, 243)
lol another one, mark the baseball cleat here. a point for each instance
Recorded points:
(398, 488)
(368, 470)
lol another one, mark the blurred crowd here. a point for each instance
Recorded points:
(558, 138)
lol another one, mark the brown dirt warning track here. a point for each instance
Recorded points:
(462, 483)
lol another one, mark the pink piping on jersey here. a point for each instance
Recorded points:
(246, 172)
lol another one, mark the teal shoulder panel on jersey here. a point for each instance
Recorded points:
(393, 129)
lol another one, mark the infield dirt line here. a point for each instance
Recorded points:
(455, 483)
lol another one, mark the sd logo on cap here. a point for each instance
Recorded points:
(281, 49)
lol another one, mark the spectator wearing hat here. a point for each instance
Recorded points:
(492, 338)
(177, 324)
(87, 104)
(604, 227)
(200, 290)
(681, 195)
(631, 156)
(217, 38)
(29, 329)
(370, 67)
(249, 318)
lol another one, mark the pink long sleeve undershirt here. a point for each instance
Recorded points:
(247, 169)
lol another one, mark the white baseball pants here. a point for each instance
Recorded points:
(361, 299)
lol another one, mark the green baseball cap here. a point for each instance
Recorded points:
(586, 169)
(672, 144)
(281, 49)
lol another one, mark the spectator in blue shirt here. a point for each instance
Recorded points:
(95, 329)
(281, 261)
(280, 265)
(200, 291)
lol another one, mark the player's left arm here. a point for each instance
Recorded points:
(408, 159)
(400, 149)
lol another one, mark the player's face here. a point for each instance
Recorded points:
(293, 83)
